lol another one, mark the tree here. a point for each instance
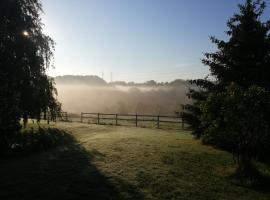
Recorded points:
(245, 58)
(242, 61)
(25, 55)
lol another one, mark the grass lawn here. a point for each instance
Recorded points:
(109, 162)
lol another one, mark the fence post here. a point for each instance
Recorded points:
(183, 123)
(66, 116)
(48, 118)
(136, 120)
(158, 121)
(98, 118)
(81, 117)
(116, 119)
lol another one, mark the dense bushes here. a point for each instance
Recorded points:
(238, 120)
(36, 140)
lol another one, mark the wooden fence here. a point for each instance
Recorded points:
(158, 120)
(61, 116)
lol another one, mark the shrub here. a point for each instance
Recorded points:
(238, 120)
(32, 141)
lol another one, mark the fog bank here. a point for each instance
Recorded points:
(162, 100)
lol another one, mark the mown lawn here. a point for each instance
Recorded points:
(109, 162)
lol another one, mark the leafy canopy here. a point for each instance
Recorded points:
(25, 55)
(231, 108)
(245, 58)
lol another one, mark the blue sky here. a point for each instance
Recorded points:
(136, 40)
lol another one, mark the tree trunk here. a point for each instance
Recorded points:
(245, 167)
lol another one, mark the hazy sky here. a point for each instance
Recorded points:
(136, 40)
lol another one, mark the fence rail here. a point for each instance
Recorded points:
(158, 120)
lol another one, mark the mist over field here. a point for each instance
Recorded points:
(123, 99)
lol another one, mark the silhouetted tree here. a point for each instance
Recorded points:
(245, 58)
(25, 54)
(244, 61)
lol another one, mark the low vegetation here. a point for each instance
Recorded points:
(109, 162)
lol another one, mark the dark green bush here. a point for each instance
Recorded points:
(238, 120)
(32, 141)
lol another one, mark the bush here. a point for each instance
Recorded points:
(32, 141)
(238, 120)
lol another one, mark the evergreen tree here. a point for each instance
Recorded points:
(244, 61)
(245, 58)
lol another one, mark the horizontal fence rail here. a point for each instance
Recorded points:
(116, 119)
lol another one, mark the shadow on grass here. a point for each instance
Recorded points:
(256, 180)
(63, 170)
(37, 140)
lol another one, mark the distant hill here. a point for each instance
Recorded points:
(80, 80)
(97, 81)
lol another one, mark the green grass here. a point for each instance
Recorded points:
(110, 162)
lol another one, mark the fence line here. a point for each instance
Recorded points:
(157, 119)
(101, 118)
(61, 116)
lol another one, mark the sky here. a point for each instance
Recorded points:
(135, 40)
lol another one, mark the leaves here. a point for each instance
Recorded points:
(25, 55)
(232, 110)
(240, 116)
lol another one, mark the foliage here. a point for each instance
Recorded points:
(10, 112)
(238, 120)
(25, 54)
(231, 117)
(36, 140)
(192, 112)
(245, 58)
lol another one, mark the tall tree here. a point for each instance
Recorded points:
(25, 55)
(243, 61)
(245, 58)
